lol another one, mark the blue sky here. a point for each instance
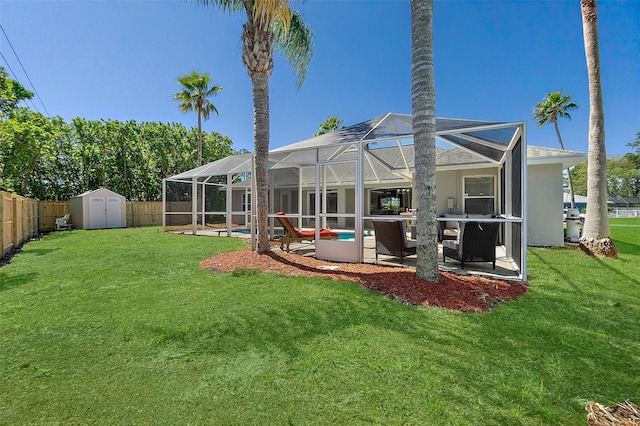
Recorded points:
(494, 60)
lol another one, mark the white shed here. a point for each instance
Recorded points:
(98, 209)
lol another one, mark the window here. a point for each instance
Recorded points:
(246, 202)
(332, 203)
(389, 201)
(479, 194)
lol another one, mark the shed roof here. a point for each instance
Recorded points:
(99, 191)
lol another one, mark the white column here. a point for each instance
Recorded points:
(194, 206)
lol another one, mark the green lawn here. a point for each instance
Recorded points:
(122, 327)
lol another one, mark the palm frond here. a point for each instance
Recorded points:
(554, 105)
(195, 93)
(295, 44)
(266, 12)
(231, 6)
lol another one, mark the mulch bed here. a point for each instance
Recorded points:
(455, 292)
(627, 414)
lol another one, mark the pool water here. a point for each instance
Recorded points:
(346, 235)
(349, 235)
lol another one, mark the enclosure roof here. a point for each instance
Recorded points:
(239, 163)
(489, 140)
(389, 149)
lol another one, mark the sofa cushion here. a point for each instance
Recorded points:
(452, 244)
(480, 216)
(453, 224)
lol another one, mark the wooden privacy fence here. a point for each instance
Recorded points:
(23, 218)
(19, 220)
(139, 213)
(49, 212)
(144, 213)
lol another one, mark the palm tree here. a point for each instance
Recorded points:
(271, 24)
(596, 232)
(330, 124)
(547, 111)
(195, 95)
(423, 103)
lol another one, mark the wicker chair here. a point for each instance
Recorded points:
(391, 239)
(476, 243)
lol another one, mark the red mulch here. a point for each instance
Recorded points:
(455, 292)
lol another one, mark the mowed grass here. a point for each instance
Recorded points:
(122, 327)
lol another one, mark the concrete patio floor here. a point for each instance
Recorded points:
(505, 268)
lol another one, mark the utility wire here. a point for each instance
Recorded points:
(14, 76)
(25, 71)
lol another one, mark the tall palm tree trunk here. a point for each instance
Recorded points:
(596, 233)
(199, 138)
(423, 105)
(260, 86)
(573, 197)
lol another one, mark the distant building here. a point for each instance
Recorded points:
(581, 201)
(624, 201)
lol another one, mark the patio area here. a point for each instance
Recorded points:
(505, 266)
(347, 179)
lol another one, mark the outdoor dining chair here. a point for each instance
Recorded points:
(476, 242)
(391, 239)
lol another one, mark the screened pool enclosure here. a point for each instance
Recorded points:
(345, 179)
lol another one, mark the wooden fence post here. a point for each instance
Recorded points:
(1, 224)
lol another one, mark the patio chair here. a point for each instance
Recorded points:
(391, 239)
(61, 223)
(476, 243)
(449, 229)
(291, 234)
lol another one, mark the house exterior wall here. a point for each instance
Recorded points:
(450, 184)
(544, 205)
(544, 199)
(447, 185)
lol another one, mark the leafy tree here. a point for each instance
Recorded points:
(423, 106)
(24, 138)
(579, 178)
(195, 95)
(330, 124)
(56, 174)
(635, 156)
(596, 235)
(11, 93)
(547, 111)
(623, 177)
(270, 25)
(132, 158)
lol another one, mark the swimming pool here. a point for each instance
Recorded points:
(350, 235)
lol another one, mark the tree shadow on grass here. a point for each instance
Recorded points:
(9, 281)
(39, 252)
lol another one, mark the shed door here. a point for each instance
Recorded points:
(97, 213)
(114, 212)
